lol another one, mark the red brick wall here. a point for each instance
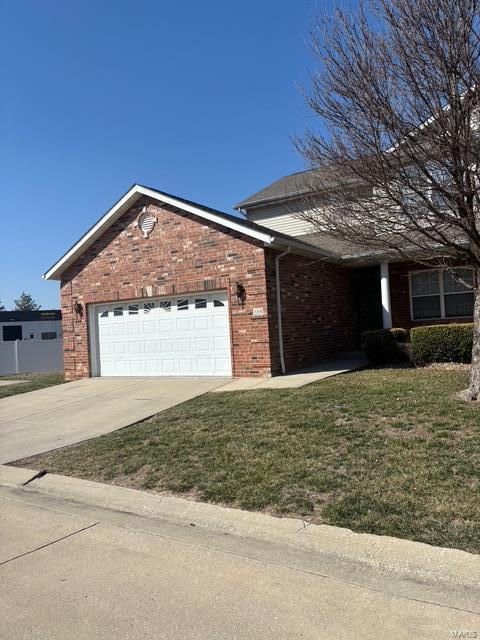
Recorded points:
(318, 315)
(400, 297)
(182, 254)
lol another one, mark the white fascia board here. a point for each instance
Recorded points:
(125, 203)
(429, 121)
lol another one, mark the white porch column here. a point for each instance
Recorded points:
(385, 292)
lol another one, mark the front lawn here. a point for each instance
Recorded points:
(386, 451)
(33, 381)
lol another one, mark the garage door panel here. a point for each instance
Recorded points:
(201, 323)
(168, 368)
(133, 329)
(107, 368)
(106, 348)
(220, 321)
(135, 347)
(165, 326)
(149, 346)
(184, 324)
(182, 336)
(202, 344)
(184, 345)
(167, 346)
(151, 367)
(221, 344)
(105, 331)
(150, 326)
(120, 329)
(121, 368)
(185, 366)
(137, 368)
(222, 365)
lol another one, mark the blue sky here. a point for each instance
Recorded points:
(195, 98)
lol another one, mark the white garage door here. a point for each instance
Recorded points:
(181, 336)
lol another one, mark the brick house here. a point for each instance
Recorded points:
(163, 286)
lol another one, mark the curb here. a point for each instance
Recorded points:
(415, 560)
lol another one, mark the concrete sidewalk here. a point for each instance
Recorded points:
(65, 414)
(75, 569)
(343, 363)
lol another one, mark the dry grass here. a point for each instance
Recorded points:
(33, 381)
(386, 451)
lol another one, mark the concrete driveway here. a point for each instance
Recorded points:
(46, 419)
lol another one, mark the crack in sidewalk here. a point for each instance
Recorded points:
(48, 544)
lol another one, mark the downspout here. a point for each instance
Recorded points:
(279, 307)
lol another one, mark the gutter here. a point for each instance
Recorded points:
(301, 246)
(279, 307)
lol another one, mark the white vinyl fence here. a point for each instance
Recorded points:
(30, 356)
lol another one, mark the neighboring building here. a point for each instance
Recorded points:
(164, 286)
(30, 341)
(30, 325)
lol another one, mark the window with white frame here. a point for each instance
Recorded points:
(436, 185)
(442, 294)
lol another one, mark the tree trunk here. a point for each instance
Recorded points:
(473, 391)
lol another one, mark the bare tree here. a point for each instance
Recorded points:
(396, 89)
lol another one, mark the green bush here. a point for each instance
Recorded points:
(442, 343)
(386, 346)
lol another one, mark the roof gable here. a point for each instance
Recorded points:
(247, 228)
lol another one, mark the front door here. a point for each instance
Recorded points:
(368, 300)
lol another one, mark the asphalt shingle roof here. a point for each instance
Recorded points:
(291, 185)
(295, 184)
(340, 248)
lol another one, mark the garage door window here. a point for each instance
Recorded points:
(148, 306)
(133, 310)
(182, 305)
(200, 303)
(118, 311)
(166, 305)
(218, 303)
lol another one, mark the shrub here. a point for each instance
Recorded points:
(442, 343)
(400, 335)
(385, 346)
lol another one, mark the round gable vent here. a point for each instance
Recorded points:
(146, 222)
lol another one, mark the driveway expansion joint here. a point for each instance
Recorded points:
(49, 544)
